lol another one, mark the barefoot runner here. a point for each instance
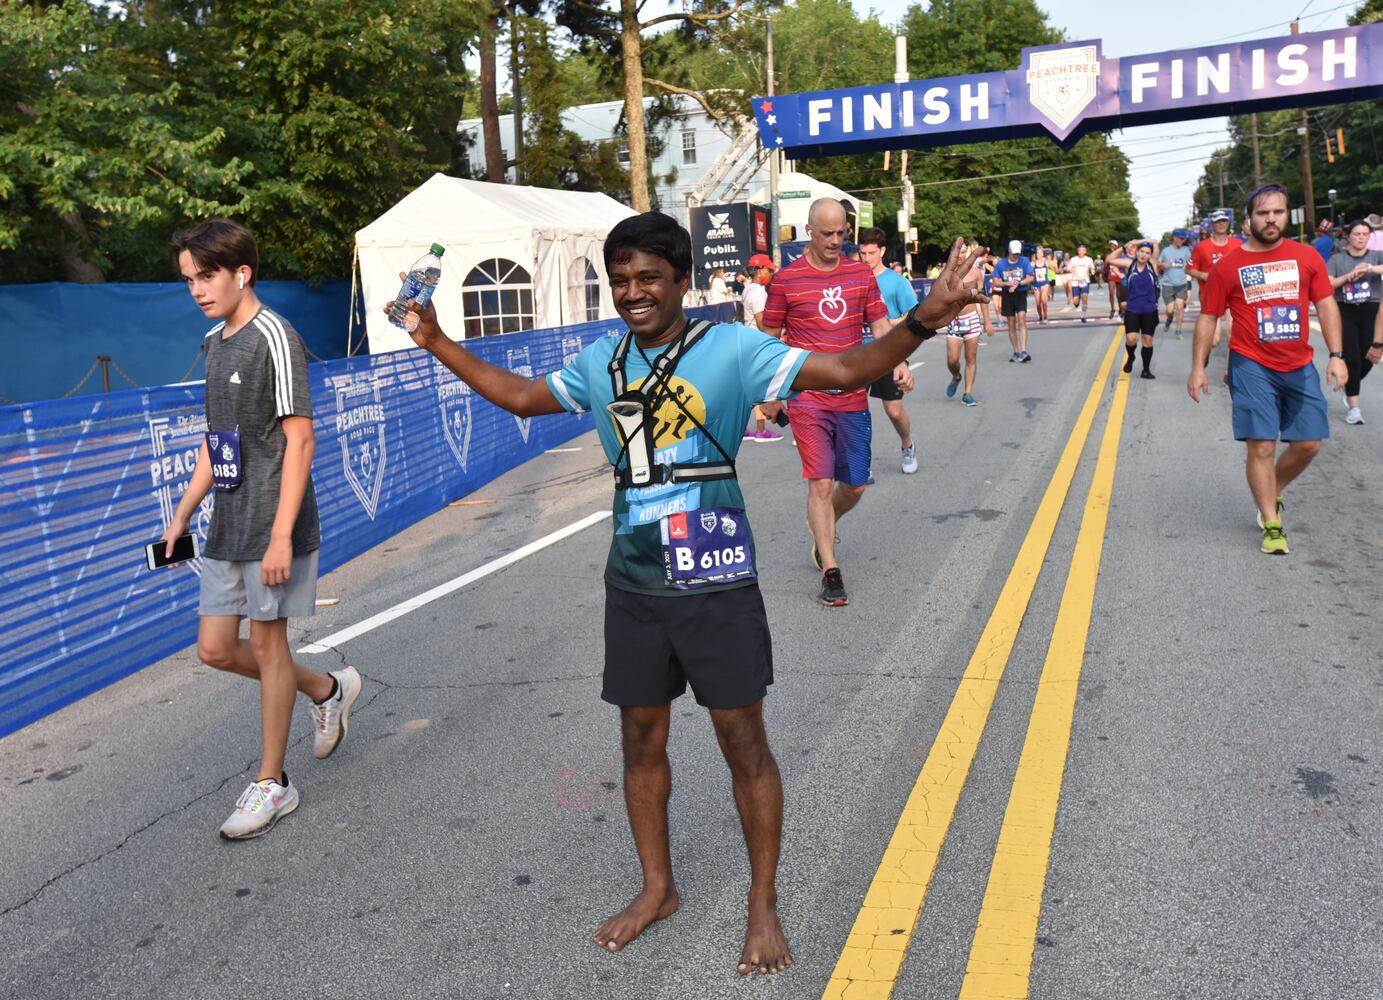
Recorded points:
(677, 609)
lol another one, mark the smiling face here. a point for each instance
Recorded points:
(647, 295)
(216, 291)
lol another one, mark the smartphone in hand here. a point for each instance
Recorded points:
(185, 549)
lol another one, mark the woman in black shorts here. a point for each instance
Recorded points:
(1140, 291)
(1354, 272)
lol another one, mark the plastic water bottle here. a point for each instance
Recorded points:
(419, 285)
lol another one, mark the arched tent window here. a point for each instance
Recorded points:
(583, 291)
(497, 297)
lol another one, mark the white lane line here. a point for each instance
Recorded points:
(427, 597)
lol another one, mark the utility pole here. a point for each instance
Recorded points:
(900, 75)
(1257, 160)
(518, 94)
(774, 226)
(1303, 130)
(1220, 168)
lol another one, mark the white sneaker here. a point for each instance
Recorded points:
(910, 459)
(1354, 416)
(329, 720)
(259, 807)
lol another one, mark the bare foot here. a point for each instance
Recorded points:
(630, 922)
(765, 947)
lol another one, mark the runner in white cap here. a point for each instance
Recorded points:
(1013, 275)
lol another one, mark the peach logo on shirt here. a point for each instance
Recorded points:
(832, 305)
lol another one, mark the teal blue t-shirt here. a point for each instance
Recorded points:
(729, 370)
(897, 292)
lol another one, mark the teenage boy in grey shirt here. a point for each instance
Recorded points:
(260, 559)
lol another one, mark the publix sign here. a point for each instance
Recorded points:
(726, 236)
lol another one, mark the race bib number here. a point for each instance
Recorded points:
(1278, 323)
(706, 547)
(224, 449)
(1356, 291)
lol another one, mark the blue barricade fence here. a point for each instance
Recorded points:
(52, 332)
(86, 482)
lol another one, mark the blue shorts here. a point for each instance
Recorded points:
(833, 444)
(1080, 288)
(1270, 404)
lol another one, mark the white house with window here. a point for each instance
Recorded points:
(515, 258)
(691, 145)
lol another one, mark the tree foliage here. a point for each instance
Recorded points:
(119, 124)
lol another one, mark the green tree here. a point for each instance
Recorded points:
(305, 121)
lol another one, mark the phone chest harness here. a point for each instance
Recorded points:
(634, 414)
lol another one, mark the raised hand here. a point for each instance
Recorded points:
(421, 324)
(949, 294)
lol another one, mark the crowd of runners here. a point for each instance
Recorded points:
(819, 337)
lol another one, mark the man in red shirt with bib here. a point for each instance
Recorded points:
(1268, 284)
(1207, 254)
(822, 301)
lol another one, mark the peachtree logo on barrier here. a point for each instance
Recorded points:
(516, 360)
(571, 347)
(454, 398)
(1062, 83)
(360, 426)
(176, 443)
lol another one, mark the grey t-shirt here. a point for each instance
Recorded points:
(255, 378)
(1342, 263)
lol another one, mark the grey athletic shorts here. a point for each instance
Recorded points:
(234, 588)
(1171, 293)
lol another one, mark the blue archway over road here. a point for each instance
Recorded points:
(1069, 89)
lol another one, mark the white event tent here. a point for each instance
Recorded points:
(517, 258)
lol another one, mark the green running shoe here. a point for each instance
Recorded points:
(1258, 515)
(1274, 539)
(951, 387)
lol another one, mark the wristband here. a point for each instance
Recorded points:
(916, 328)
(1376, 346)
(1338, 354)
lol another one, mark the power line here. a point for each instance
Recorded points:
(1275, 24)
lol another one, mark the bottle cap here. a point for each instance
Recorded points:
(438, 249)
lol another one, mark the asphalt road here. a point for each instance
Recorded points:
(1219, 824)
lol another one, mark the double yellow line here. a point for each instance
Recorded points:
(1000, 960)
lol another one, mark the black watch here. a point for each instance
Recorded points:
(918, 330)
(1338, 354)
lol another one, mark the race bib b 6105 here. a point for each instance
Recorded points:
(706, 547)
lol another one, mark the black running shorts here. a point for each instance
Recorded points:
(1138, 322)
(718, 641)
(885, 388)
(1013, 303)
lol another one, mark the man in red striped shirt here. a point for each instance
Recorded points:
(822, 302)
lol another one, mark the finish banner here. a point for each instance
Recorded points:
(1069, 89)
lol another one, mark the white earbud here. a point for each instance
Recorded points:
(242, 279)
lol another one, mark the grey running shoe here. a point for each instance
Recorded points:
(910, 459)
(259, 807)
(330, 719)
